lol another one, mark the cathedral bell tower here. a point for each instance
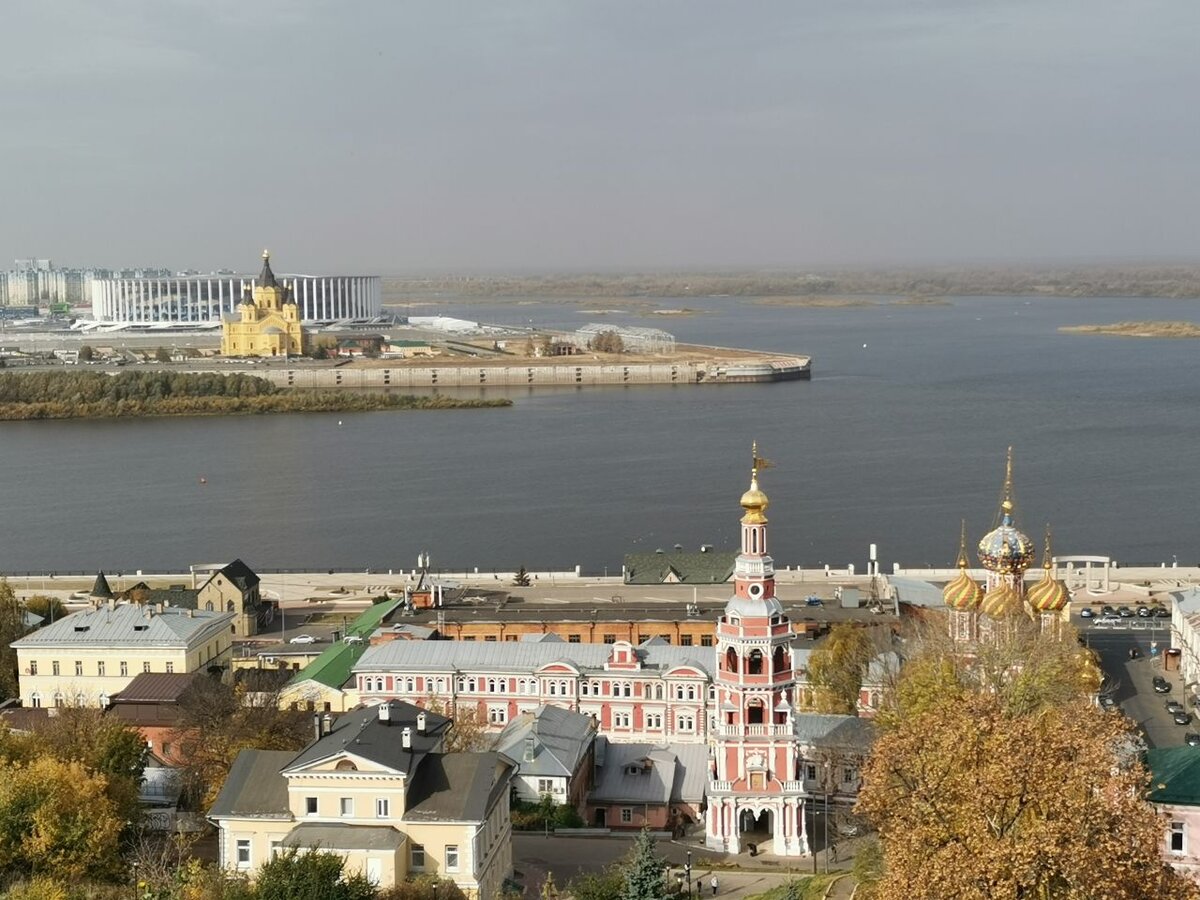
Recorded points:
(755, 785)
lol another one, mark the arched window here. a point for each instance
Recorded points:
(35, 700)
(229, 606)
(58, 699)
(731, 660)
(754, 664)
(208, 606)
(777, 663)
(345, 765)
(658, 691)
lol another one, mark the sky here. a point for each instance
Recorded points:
(389, 137)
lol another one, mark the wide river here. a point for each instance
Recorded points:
(900, 434)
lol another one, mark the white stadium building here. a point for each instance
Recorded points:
(203, 299)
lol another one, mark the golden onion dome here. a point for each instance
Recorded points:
(1002, 600)
(963, 593)
(1049, 594)
(754, 501)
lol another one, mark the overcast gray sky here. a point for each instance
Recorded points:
(385, 136)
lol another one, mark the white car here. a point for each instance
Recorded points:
(1109, 622)
(303, 639)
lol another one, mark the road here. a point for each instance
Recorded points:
(1129, 680)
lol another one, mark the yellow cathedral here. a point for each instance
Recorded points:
(269, 323)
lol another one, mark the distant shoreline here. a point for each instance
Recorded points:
(1138, 329)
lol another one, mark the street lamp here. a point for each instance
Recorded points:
(687, 872)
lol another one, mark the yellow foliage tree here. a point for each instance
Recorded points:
(56, 818)
(836, 668)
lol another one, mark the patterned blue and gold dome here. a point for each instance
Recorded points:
(1004, 549)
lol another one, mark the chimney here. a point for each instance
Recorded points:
(158, 608)
(316, 726)
(327, 724)
(191, 614)
(421, 723)
(406, 738)
(112, 603)
(530, 749)
(385, 713)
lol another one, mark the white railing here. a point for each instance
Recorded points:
(720, 786)
(733, 731)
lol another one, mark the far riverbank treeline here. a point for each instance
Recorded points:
(96, 395)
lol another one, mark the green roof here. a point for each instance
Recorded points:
(710, 567)
(1174, 775)
(332, 668)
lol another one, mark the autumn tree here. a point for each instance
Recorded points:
(995, 776)
(607, 342)
(86, 353)
(425, 887)
(162, 355)
(216, 723)
(836, 668)
(51, 609)
(105, 746)
(468, 731)
(57, 819)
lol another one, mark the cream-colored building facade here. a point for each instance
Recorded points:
(376, 788)
(86, 657)
(268, 321)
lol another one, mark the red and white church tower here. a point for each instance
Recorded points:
(754, 790)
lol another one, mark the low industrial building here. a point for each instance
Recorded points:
(376, 788)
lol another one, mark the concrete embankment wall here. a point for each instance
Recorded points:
(564, 375)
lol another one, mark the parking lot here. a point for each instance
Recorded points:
(1129, 681)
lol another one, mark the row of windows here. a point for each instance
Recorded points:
(532, 687)
(346, 807)
(684, 722)
(244, 861)
(685, 640)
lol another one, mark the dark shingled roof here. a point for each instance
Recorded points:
(362, 733)
(266, 278)
(240, 574)
(710, 567)
(457, 787)
(100, 589)
(343, 837)
(255, 788)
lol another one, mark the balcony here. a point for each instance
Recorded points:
(737, 731)
(720, 787)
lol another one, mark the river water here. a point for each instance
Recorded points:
(901, 433)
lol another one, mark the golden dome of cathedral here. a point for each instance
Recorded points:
(1049, 594)
(963, 593)
(754, 501)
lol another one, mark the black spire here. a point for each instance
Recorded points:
(100, 589)
(266, 278)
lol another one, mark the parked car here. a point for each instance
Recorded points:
(1161, 685)
(1192, 739)
(1174, 706)
(353, 639)
(1183, 718)
(1125, 612)
(303, 639)
(813, 601)
(1107, 620)
(1161, 612)
(1086, 613)
(1108, 610)
(1144, 612)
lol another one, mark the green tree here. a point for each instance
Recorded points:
(12, 627)
(521, 578)
(837, 666)
(644, 876)
(423, 888)
(315, 875)
(608, 884)
(162, 355)
(86, 353)
(49, 608)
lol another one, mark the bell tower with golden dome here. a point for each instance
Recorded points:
(755, 784)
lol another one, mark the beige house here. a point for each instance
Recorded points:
(376, 788)
(234, 588)
(86, 657)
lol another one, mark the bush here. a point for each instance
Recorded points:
(423, 888)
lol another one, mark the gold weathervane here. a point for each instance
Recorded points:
(758, 462)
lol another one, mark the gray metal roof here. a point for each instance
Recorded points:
(457, 787)
(255, 788)
(561, 739)
(825, 730)
(917, 591)
(676, 774)
(125, 625)
(363, 733)
(1188, 601)
(317, 836)
(520, 657)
